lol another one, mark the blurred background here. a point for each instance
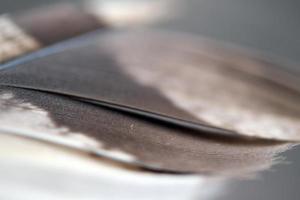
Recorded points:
(271, 27)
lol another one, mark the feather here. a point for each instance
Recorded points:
(174, 79)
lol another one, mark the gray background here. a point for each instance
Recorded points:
(271, 26)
